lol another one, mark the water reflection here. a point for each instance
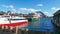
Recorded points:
(44, 25)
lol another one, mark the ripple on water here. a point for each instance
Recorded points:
(44, 24)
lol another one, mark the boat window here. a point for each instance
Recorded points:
(5, 16)
(16, 19)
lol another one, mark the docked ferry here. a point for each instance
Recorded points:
(13, 21)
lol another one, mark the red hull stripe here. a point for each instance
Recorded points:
(15, 24)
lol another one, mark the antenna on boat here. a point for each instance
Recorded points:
(9, 14)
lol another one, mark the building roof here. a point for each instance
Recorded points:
(58, 12)
(1, 13)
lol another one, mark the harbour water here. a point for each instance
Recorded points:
(43, 25)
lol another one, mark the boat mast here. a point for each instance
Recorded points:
(9, 14)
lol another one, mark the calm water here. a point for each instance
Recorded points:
(43, 24)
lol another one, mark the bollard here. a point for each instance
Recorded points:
(2, 27)
(11, 28)
(26, 30)
(6, 27)
(16, 29)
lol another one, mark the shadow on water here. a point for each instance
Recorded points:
(56, 29)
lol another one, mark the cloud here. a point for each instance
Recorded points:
(55, 9)
(48, 14)
(22, 9)
(29, 9)
(11, 7)
(8, 6)
(39, 4)
(14, 10)
(5, 6)
(32, 10)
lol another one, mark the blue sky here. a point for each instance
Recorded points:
(48, 7)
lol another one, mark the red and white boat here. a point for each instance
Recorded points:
(13, 21)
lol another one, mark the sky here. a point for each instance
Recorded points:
(48, 7)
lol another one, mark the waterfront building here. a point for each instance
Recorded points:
(1, 13)
(56, 22)
(56, 18)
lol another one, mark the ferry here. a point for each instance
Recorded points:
(12, 21)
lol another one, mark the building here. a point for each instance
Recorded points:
(56, 22)
(30, 15)
(56, 18)
(1, 13)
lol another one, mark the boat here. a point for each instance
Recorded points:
(13, 21)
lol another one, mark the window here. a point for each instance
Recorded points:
(59, 19)
(16, 19)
